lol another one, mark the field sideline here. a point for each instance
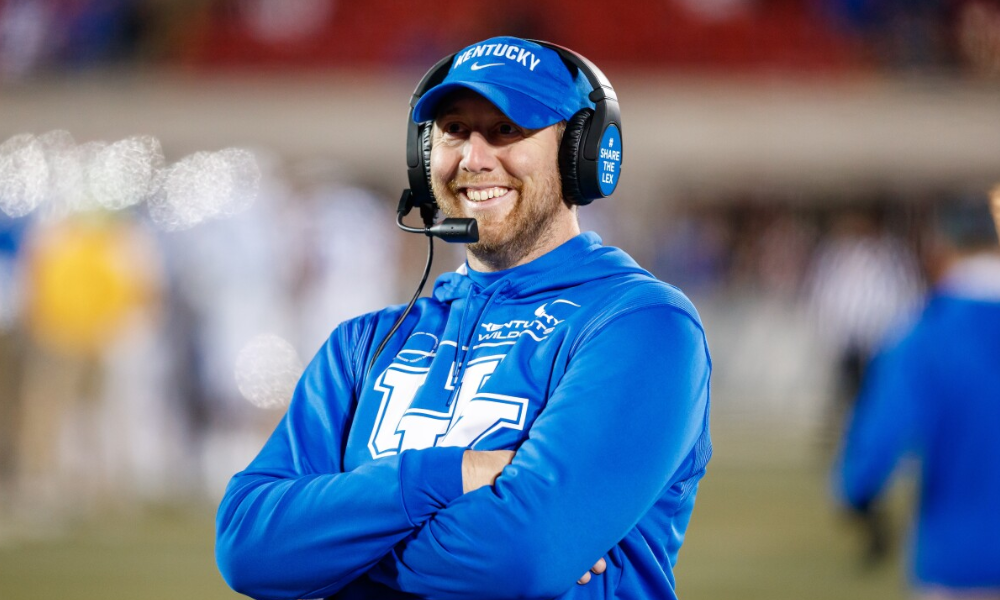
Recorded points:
(763, 528)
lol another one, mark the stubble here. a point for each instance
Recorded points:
(506, 241)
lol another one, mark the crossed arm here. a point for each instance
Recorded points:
(482, 467)
(612, 438)
(295, 524)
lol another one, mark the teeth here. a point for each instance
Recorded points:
(480, 195)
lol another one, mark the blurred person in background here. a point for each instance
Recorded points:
(230, 280)
(90, 279)
(548, 381)
(934, 394)
(863, 282)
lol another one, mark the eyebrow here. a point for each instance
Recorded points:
(449, 110)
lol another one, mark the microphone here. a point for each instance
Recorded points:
(454, 231)
(461, 231)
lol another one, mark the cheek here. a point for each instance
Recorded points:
(535, 170)
(443, 163)
(539, 163)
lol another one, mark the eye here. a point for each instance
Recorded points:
(451, 128)
(507, 129)
(505, 132)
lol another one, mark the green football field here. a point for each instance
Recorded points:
(763, 529)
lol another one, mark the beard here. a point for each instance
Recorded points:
(505, 240)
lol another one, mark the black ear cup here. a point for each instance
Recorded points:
(419, 164)
(425, 153)
(570, 154)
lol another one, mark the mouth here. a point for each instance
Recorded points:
(483, 196)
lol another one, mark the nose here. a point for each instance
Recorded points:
(478, 155)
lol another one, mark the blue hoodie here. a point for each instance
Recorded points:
(592, 370)
(934, 395)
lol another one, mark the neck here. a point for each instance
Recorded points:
(517, 253)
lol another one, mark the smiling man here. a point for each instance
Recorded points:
(506, 177)
(543, 414)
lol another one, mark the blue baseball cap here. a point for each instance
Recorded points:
(528, 82)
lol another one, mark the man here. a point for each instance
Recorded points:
(544, 414)
(863, 281)
(935, 394)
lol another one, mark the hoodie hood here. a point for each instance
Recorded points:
(474, 294)
(582, 258)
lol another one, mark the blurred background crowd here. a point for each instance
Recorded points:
(786, 165)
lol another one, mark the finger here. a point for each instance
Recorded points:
(599, 567)
(583, 580)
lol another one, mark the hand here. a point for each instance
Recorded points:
(482, 467)
(599, 567)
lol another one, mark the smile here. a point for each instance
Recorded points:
(482, 194)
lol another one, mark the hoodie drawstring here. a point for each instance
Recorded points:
(466, 340)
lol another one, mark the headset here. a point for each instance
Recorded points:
(590, 158)
(587, 173)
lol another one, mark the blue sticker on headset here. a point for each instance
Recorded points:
(609, 160)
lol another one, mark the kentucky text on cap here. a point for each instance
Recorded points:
(508, 51)
(528, 82)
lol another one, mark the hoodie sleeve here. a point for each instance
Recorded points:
(883, 427)
(614, 435)
(294, 524)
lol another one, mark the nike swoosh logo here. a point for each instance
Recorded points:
(476, 66)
